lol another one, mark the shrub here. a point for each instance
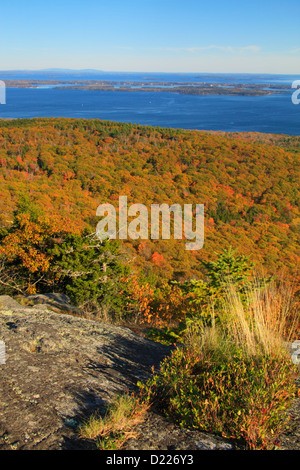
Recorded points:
(241, 398)
(201, 298)
(233, 379)
(90, 272)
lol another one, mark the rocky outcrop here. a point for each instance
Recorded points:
(6, 303)
(55, 302)
(60, 368)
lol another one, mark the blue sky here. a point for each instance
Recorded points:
(152, 36)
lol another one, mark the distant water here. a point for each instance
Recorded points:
(270, 114)
(150, 77)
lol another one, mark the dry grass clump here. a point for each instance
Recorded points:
(117, 426)
(261, 321)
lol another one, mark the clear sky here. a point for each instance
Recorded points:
(256, 36)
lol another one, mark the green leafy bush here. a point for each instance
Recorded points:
(237, 398)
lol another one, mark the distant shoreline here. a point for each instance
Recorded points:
(186, 88)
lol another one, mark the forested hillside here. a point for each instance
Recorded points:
(249, 184)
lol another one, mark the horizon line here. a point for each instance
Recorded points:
(87, 70)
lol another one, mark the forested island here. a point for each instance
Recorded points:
(186, 88)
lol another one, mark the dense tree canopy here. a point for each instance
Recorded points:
(249, 184)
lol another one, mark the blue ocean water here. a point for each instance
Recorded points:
(271, 114)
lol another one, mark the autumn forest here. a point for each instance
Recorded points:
(65, 168)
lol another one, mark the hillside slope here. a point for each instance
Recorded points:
(249, 184)
(59, 369)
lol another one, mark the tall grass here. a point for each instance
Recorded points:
(261, 320)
